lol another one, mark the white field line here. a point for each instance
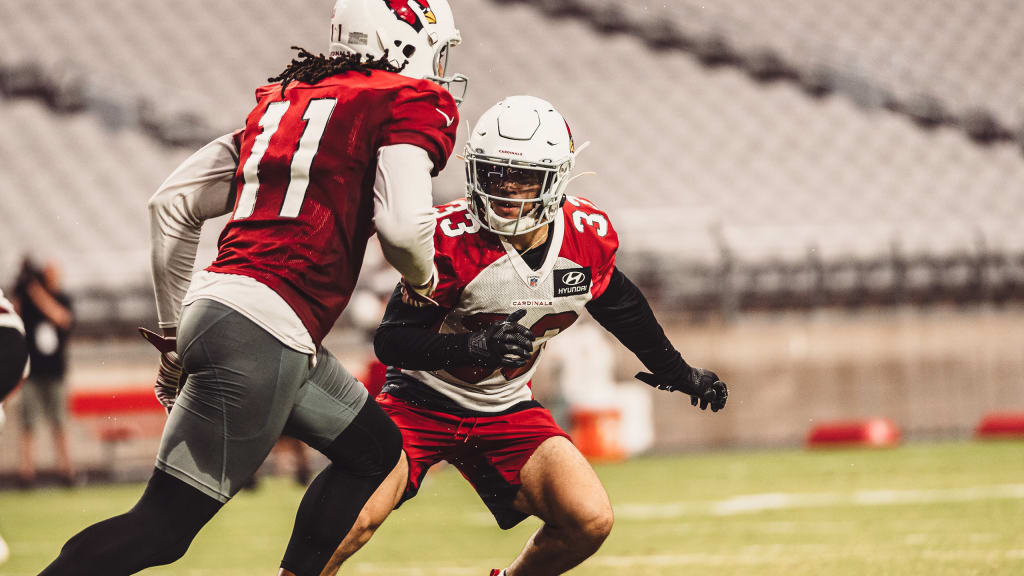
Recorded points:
(421, 570)
(764, 556)
(743, 504)
(782, 556)
(754, 503)
(716, 560)
(608, 561)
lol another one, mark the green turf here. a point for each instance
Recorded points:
(955, 509)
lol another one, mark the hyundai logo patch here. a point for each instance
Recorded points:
(572, 282)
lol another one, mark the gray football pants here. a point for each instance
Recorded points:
(244, 390)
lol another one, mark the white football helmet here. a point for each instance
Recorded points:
(520, 139)
(416, 33)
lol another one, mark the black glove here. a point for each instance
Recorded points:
(170, 377)
(703, 386)
(507, 343)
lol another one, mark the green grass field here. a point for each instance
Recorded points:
(944, 509)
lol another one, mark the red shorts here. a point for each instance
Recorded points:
(489, 451)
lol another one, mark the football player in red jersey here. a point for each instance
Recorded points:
(337, 148)
(518, 261)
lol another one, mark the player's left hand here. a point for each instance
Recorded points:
(703, 386)
(170, 377)
(507, 343)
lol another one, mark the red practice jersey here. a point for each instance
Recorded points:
(482, 279)
(304, 185)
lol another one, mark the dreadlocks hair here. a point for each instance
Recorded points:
(312, 68)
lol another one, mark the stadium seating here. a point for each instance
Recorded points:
(954, 51)
(695, 163)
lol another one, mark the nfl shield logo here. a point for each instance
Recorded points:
(533, 281)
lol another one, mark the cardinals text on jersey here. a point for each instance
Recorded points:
(483, 279)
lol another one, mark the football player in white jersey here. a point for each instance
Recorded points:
(13, 350)
(518, 261)
(13, 366)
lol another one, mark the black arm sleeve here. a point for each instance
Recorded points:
(623, 310)
(407, 338)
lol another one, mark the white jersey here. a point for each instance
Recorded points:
(482, 279)
(8, 318)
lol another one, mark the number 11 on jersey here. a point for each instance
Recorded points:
(317, 113)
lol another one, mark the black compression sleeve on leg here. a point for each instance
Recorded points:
(157, 531)
(361, 458)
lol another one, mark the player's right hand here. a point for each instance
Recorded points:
(421, 295)
(507, 343)
(703, 386)
(170, 377)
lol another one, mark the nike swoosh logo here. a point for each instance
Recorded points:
(446, 117)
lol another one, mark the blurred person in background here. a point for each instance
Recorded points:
(302, 471)
(48, 316)
(13, 367)
(518, 262)
(337, 147)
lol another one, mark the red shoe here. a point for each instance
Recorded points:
(495, 572)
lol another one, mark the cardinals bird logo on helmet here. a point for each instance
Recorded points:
(404, 12)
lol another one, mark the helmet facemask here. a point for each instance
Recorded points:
(456, 84)
(510, 197)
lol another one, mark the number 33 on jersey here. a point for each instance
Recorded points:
(482, 278)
